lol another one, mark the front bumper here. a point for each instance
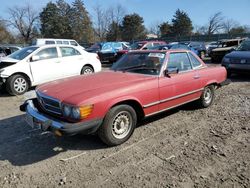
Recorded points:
(45, 122)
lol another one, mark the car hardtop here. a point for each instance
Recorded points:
(53, 45)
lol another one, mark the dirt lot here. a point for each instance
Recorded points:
(185, 147)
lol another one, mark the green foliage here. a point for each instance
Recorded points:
(181, 24)
(5, 35)
(165, 29)
(133, 28)
(60, 20)
(80, 23)
(238, 30)
(114, 32)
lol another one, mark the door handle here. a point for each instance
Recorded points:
(196, 77)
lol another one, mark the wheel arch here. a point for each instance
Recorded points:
(24, 75)
(89, 65)
(134, 104)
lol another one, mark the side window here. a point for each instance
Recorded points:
(65, 42)
(49, 42)
(47, 53)
(58, 42)
(194, 60)
(73, 43)
(179, 60)
(107, 47)
(68, 51)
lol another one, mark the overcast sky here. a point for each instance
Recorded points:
(157, 10)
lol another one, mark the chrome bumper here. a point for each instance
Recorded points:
(49, 123)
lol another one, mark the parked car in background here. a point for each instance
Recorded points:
(111, 103)
(238, 60)
(35, 65)
(224, 47)
(140, 45)
(197, 45)
(210, 46)
(175, 46)
(43, 41)
(8, 49)
(107, 51)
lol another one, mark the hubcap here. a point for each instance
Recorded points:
(20, 85)
(121, 125)
(87, 71)
(207, 95)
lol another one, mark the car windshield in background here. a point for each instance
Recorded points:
(143, 63)
(21, 54)
(136, 46)
(245, 46)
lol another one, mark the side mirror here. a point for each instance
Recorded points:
(172, 70)
(145, 48)
(34, 58)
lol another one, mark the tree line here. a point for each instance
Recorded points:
(73, 21)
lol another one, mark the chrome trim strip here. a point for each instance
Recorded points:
(172, 98)
(171, 107)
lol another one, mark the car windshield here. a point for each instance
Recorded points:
(143, 63)
(244, 46)
(96, 46)
(136, 46)
(179, 46)
(21, 54)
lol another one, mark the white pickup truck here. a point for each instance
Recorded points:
(35, 65)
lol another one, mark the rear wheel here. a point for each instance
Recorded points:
(17, 85)
(207, 96)
(118, 125)
(87, 70)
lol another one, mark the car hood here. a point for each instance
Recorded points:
(239, 54)
(9, 60)
(78, 89)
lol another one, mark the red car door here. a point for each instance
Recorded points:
(182, 87)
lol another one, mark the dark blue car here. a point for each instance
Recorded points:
(238, 60)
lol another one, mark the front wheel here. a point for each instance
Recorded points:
(87, 70)
(17, 85)
(118, 125)
(207, 96)
(202, 55)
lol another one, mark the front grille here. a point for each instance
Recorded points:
(49, 104)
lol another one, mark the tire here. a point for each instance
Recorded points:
(207, 97)
(202, 55)
(229, 73)
(17, 85)
(114, 130)
(87, 70)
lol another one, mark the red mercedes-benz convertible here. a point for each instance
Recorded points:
(111, 103)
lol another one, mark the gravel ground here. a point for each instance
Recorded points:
(185, 147)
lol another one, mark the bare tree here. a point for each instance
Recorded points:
(104, 18)
(215, 23)
(116, 13)
(154, 28)
(229, 24)
(24, 20)
(5, 35)
(102, 22)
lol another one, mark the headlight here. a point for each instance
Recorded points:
(66, 110)
(226, 60)
(75, 112)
